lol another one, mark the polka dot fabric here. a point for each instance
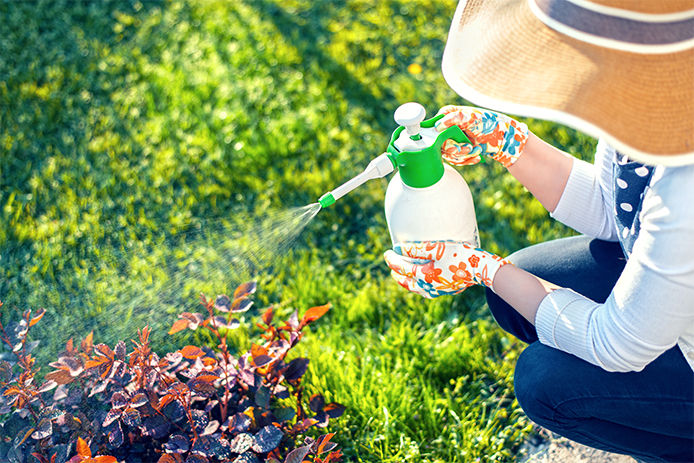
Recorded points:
(631, 180)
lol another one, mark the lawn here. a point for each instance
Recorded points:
(150, 151)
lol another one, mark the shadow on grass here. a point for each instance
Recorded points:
(310, 35)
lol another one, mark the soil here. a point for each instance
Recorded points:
(547, 447)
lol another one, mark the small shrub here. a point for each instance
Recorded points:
(194, 405)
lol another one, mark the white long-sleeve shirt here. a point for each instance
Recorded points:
(651, 308)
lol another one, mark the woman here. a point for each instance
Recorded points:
(609, 316)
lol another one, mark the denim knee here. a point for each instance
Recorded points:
(533, 383)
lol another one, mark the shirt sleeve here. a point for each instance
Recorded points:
(586, 203)
(650, 307)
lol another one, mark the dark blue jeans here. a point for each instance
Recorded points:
(647, 414)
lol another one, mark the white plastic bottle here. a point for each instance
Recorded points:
(443, 211)
(426, 199)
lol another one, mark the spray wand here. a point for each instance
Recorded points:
(425, 200)
(414, 149)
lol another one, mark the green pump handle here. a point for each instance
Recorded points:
(423, 168)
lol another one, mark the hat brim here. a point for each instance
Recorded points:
(501, 56)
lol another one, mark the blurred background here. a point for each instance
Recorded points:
(150, 151)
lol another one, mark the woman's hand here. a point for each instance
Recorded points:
(491, 134)
(435, 268)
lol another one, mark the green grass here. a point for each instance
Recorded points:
(138, 141)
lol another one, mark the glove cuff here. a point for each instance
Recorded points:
(488, 265)
(515, 138)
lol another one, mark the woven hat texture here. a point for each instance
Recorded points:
(618, 69)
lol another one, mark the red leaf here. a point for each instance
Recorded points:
(314, 313)
(104, 459)
(111, 416)
(13, 390)
(316, 402)
(334, 410)
(139, 400)
(82, 448)
(261, 360)
(105, 351)
(296, 369)
(39, 457)
(35, 319)
(245, 289)
(267, 315)
(241, 304)
(60, 377)
(194, 319)
(87, 343)
(179, 325)
(95, 362)
(169, 458)
(207, 378)
(333, 456)
(29, 432)
(297, 455)
(198, 459)
(302, 426)
(209, 361)
(191, 352)
(106, 369)
(257, 350)
(144, 334)
(323, 442)
(222, 303)
(164, 401)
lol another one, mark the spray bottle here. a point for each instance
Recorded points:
(426, 199)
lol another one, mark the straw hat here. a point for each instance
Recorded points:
(618, 69)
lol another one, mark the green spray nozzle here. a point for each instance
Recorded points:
(420, 164)
(326, 200)
(423, 167)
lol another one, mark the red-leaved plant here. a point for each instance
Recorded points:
(194, 405)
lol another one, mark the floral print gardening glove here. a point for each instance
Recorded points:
(491, 134)
(436, 268)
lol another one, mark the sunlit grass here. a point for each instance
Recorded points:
(137, 138)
